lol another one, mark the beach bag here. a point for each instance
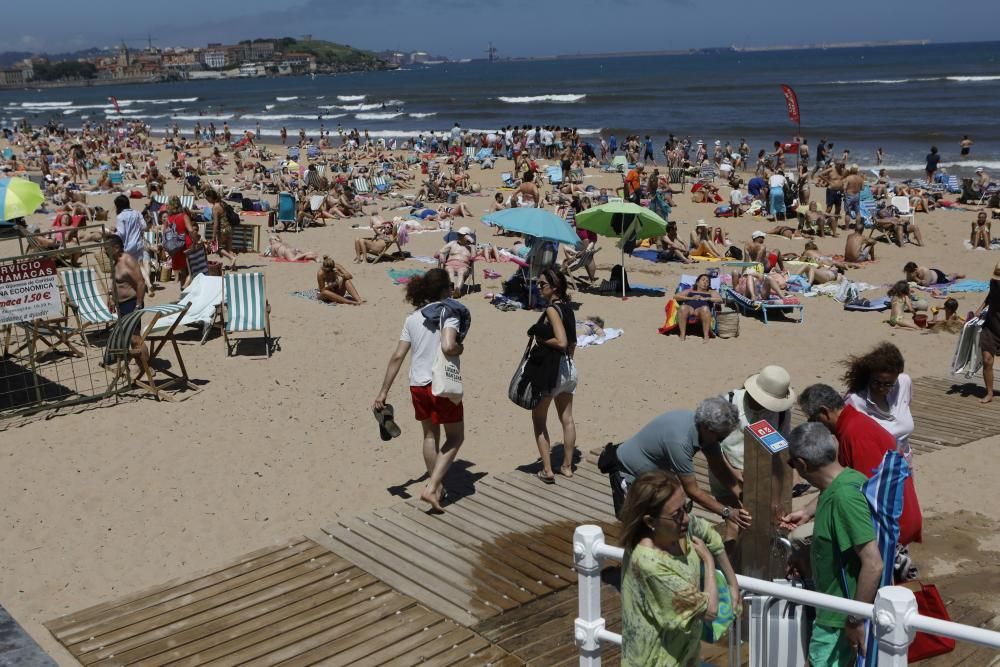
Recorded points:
(727, 323)
(446, 377)
(232, 217)
(735, 253)
(521, 392)
(929, 603)
(618, 274)
(173, 242)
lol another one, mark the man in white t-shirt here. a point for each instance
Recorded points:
(776, 202)
(456, 135)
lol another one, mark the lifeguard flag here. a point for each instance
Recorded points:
(114, 101)
(793, 103)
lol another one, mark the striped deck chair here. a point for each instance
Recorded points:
(187, 201)
(84, 298)
(952, 184)
(749, 307)
(469, 152)
(708, 172)
(555, 174)
(677, 176)
(122, 341)
(361, 186)
(381, 185)
(116, 177)
(245, 307)
(197, 260)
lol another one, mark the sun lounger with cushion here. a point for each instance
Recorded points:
(749, 307)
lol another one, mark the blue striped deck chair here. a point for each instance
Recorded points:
(884, 493)
(554, 172)
(750, 307)
(952, 184)
(380, 184)
(245, 307)
(312, 152)
(507, 178)
(85, 299)
(293, 153)
(708, 172)
(483, 154)
(361, 186)
(116, 177)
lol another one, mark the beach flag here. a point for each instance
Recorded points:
(792, 100)
(114, 101)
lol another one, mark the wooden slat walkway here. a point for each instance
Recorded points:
(295, 604)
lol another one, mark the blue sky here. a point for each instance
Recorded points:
(462, 28)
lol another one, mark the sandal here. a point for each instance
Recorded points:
(388, 428)
(545, 478)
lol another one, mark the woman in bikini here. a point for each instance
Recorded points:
(698, 302)
(384, 234)
(336, 284)
(281, 250)
(701, 243)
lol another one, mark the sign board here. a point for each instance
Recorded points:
(28, 291)
(768, 436)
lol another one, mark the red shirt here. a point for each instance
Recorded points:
(863, 443)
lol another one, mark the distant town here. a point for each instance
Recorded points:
(249, 58)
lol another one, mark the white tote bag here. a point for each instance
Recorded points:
(446, 377)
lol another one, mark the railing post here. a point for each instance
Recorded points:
(894, 606)
(589, 621)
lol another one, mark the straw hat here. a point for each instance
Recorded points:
(996, 270)
(771, 388)
(701, 223)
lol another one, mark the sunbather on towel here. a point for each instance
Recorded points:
(928, 277)
(592, 326)
(756, 287)
(335, 284)
(281, 250)
(701, 244)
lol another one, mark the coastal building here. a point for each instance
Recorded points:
(216, 56)
(299, 62)
(12, 77)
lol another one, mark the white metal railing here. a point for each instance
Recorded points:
(894, 613)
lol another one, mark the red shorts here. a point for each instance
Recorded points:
(439, 410)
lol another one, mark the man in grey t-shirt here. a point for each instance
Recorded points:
(669, 442)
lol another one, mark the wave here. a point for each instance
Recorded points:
(969, 79)
(352, 107)
(278, 116)
(225, 116)
(351, 98)
(44, 105)
(113, 112)
(919, 79)
(542, 98)
(320, 97)
(423, 115)
(377, 116)
(287, 99)
(171, 100)
(268, 107)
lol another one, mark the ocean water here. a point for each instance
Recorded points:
(903, 99)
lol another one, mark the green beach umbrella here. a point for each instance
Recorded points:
(19, 198)
(622, 220)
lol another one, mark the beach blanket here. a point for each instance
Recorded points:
(403, 276)
(652, 290)
(967, 285)
(311, 295)
(591, 339)
(424, 259)
(649, 255)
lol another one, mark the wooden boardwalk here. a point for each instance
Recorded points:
(489, 582)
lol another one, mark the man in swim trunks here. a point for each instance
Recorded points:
(129, 293)
(928, 277)
(858, 248)
(834, 179)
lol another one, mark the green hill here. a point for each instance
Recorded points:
(331, 56)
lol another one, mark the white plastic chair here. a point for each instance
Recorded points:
(902, 204)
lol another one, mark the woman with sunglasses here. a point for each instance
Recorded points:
(665, 598)
(878, 387)
(555, 344)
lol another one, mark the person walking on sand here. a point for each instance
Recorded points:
(438, 323)
(555, 343)
(989, 338)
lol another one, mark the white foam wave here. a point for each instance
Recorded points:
(287, 99)
(971, 79)
(351, 107)
(112, 112)
(43, 105)
(207, 117)
(268, 107)
(394, 103)
(377, 116)
(320, 97)
(423, 115)
(278, 116)
(171, 100)
(562, 99)
(351, 98)
(333, 115)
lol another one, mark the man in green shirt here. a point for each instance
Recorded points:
(844, 554)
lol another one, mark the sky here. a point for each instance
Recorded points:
(463, 28)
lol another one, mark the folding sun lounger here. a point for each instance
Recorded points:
(748, 307)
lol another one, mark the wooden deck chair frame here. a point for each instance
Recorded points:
(53, 334)
(119, 352)
(84, 300)
(225, 312)
(579, 262)
(385, 250)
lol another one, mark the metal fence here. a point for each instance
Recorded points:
(894, 614)
(51, 355)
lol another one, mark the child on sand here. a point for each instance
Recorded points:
(900, 303)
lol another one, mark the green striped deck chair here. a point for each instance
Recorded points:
(131, 333)
(361, 186)
(187, 201)
(245, 307)
(86, 299)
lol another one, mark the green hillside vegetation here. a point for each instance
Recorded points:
(332, 55)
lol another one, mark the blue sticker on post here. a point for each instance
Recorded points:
(768, 436)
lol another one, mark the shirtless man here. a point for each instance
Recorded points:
(129, 293)
(858, 248)
(853, 184)
(526, 195)
(928, 277)
(672, 248)
(834, 179)
(756, 251)
(886, 222)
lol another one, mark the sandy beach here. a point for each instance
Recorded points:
(108, 500)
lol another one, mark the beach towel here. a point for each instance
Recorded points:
(651, 290)
(968, 285)
(311, 295)
(403, 276)
(649, 255)
(424, 259)
(590, 339)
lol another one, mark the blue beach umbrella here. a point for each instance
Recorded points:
(536, 222)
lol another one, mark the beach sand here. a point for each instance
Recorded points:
(103, 502)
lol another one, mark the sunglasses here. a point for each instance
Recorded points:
(684, 509)
(883, 385)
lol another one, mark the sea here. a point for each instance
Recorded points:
(903, 99)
